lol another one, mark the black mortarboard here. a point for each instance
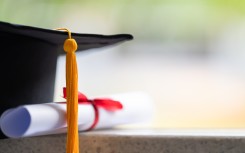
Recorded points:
(29, 57)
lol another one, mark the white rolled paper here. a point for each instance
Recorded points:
(50, 118)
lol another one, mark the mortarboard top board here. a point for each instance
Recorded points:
(29, 57)
(84, 41)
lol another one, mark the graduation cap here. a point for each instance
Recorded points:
(29, 57)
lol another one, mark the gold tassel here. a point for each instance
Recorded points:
(70, 46)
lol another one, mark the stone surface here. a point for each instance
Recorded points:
(135, 141)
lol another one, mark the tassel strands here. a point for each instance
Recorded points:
(70, 46)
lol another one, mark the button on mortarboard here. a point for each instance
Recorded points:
(29, 57)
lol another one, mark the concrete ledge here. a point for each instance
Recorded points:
(134, 141)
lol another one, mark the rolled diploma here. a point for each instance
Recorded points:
(50, 118)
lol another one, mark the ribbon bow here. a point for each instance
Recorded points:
(105, 103)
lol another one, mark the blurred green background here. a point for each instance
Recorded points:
(169, 20)
(188, 55)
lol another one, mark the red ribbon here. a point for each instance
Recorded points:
(105, 103)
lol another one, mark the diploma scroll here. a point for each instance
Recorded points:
(50, 118)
